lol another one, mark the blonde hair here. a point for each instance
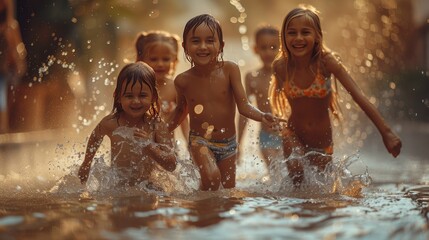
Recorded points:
(284, 60)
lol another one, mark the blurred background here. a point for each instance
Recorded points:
(75, 49)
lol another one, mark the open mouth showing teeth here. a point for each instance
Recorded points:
(299, 46)
(135, 108)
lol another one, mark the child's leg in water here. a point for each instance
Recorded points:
(203, 158)
(320, 157)
(227, 169)
(292, 147)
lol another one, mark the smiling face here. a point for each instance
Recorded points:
(300, 37)
(203, 45)
(267, 47)
(161, 57)
(135, 100)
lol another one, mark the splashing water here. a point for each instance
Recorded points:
(336, 179)
(327, 206)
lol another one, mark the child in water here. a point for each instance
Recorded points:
(159, 49)
(257, 83)
(210, 91)
(302, 92)
(138, 137)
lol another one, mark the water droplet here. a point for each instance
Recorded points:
(154, 13)
(198, 109)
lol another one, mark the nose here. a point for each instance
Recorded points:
(136, 99)
(203, 45)
(161, 61)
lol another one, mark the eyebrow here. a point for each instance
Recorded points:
(294, 28)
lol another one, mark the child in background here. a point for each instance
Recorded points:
(12, 58)
(159, 49)
(138, 138)
(210, 91)
(302, 92)
(257, 83)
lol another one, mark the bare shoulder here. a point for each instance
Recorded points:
(229, 65)
(279, 68)
(182, 78)
(231, 69)
(108, 124)
(331, 61)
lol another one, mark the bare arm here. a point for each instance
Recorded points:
(391, 140)
(94, 142)
(242, 121)
(161, 150)
(244, 107)
(181, 110)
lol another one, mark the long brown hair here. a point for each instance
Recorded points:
(284, 60)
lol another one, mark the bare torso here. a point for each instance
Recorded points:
(210, 102)
(312, 127)
(126, 150)
(310, 119)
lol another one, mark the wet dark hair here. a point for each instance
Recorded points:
(132, 73)
(214, 26)
(266, 29)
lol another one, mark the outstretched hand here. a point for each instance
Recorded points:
(269, 118)
(272, 121)
(393, 143)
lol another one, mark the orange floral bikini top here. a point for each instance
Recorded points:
(320, 88)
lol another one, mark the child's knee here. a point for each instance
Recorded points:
(211, 179)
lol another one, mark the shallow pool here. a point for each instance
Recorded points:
(35, 205)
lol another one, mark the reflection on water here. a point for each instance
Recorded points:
(384, 212)
(37, 206)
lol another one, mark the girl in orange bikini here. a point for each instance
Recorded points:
(302, 93)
